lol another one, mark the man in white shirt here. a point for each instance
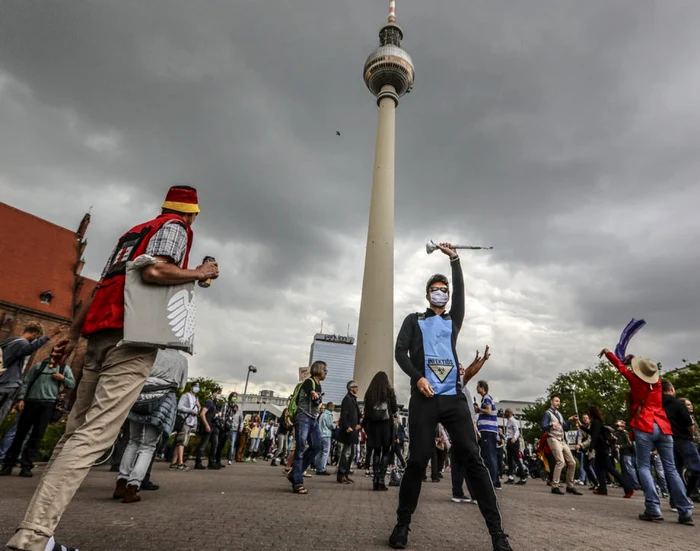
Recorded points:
(515, 464)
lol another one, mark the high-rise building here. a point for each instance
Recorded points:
(339, 353)
(388, 74)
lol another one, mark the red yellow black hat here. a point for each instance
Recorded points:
(182, 199)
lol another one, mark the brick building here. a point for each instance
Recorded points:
(40, 275)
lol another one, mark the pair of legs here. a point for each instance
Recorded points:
(515, 464)
(459, 477)
(687, 456)
(562, 457)
(138, 453)
(588, 469)
(33, 422)
(489, 452)
(452, 412)
(398, 454)
(346, 456)
(380, 462)
(281, 450)
(230, 437)
(307, 432)
(437, 463)
(646, 441)
(7, 400)
(605, 467)
(629, 473)
(206, 438)
(112, 380)
(241, 447)
(181, 440)
(322, 457)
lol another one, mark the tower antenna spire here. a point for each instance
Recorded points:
(392, 11)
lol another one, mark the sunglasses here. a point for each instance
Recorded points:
(444, 289)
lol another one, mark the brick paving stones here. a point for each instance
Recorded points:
(251, 507)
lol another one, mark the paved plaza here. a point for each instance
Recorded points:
(251, 507)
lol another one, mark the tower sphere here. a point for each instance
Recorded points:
(389, 64)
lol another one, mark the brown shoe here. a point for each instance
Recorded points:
(131, 496)
(120, 490)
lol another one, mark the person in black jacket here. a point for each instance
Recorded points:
(601, 440)
(426, 350)
(349, 432)
(380, 407)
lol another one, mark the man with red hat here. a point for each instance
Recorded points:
(113, 375)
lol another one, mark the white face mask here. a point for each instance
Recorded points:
(439, 298)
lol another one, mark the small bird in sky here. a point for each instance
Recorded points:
(337, 132)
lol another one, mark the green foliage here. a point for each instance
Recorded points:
(686, 381)
(51, 437)
(600, 385)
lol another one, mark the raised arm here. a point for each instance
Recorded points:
(622, 368)
(457, 307)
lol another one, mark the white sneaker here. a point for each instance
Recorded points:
(466, 500)
(456, 500)
(580, 483)
(229, 461)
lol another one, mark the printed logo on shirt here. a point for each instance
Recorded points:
(441, 368)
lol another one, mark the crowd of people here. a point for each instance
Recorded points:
(128, 396)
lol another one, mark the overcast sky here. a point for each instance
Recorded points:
(563, 133)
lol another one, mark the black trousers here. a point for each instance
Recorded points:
(35, 419)
(515, 464)
(206, 438)
(452, 411)
(398, 454)
(604, 467)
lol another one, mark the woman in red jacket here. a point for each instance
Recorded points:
(651, 430)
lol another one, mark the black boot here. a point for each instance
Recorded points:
(399, 537)
(6, 470)
(500, 542)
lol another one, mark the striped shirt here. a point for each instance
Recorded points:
(488, 423)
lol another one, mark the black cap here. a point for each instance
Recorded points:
(435, 278)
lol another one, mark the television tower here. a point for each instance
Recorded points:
(388, 74)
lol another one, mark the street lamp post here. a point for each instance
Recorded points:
(251, 369)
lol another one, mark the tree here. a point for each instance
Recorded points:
(206, 387)
(600, 385)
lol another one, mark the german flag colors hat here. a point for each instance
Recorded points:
(182, 199)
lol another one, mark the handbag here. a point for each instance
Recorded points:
(380, 412)
(160, 316)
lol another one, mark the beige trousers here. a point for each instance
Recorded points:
(112, 380)
(562, 455)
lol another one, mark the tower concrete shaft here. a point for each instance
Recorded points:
(388, 74)
(375, 338)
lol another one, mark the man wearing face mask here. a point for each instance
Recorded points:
(185, 422)
(426, 350)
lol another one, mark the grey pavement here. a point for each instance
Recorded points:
(251, 506)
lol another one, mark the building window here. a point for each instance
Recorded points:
(46, 297)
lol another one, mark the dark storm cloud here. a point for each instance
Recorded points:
(541, 128)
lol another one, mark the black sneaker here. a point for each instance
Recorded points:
(521, 482)
(688, 521)
(650, 518)
(500, 542)
(199, 467)
(557, 490)
(573, 491)
(6, 470)
(26, 473)
(399, 537)
(213, 467)
(149, 486)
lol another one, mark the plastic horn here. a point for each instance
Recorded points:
(431, 247)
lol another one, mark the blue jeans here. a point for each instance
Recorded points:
(322, 458)
(9, 438)
(628, 472)
(489, 453)
(687, 456)
(306, 430)
(232, 437)
(645, 442)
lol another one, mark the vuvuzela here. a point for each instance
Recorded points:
(431, 247)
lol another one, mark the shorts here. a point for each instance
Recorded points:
(183, 436)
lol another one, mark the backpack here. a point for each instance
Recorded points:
(293, 407)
